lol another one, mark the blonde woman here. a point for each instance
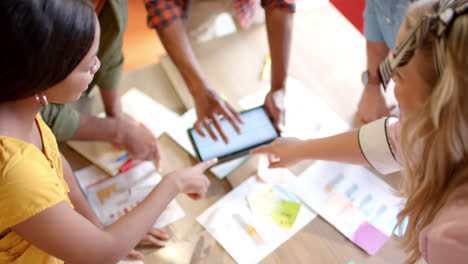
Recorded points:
(429, 142)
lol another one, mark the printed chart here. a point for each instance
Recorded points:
(249, 226)
(354, 200)
(113, 197)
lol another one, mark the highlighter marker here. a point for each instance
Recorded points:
(249, 228)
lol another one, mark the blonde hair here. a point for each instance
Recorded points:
(435, 138)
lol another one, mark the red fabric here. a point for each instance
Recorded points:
(352, 10)
(162, 12)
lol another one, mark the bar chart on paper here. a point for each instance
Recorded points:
(113, 197)
(354, 200)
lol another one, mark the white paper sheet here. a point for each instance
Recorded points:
(144, 109)
(219, 222)
(347, 196)
(113, 197)
(223, 169)
(89, 177)
(177, 130)
(306, 115)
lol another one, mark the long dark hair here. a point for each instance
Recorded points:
(42, 41)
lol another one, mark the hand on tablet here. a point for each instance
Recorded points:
(258, 129)
(191, 180)
(210, 107)
(283, 152)
(274, 103)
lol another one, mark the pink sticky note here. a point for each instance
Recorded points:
(369, 238)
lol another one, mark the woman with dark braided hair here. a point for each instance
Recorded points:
(49, 52)
(429, 142)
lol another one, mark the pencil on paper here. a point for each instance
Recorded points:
(248, 227)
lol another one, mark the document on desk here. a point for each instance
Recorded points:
(352, 199)
(143, 109)
(267, 228)
(177, 130)
(147, 111)
(113, 197)
(307, 116)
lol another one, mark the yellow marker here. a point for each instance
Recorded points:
(249, 228)
(266, 66)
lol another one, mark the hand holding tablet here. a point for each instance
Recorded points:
(257, 130)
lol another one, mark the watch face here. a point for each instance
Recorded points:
(365, 78)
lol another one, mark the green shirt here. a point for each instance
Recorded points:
(64, 120)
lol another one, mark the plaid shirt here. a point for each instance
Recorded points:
(163, 12)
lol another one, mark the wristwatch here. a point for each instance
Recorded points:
(367, 79)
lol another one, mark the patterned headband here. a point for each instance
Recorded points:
(446, 13)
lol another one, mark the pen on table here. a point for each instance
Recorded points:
(128, 165)
(266, 66)
(122, 157)
(248, 227)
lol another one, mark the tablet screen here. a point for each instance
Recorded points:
(256, 130)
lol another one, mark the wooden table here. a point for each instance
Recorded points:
(328, 56)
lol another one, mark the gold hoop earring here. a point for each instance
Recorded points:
(42, 99)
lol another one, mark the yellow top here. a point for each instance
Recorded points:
(30, 181)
